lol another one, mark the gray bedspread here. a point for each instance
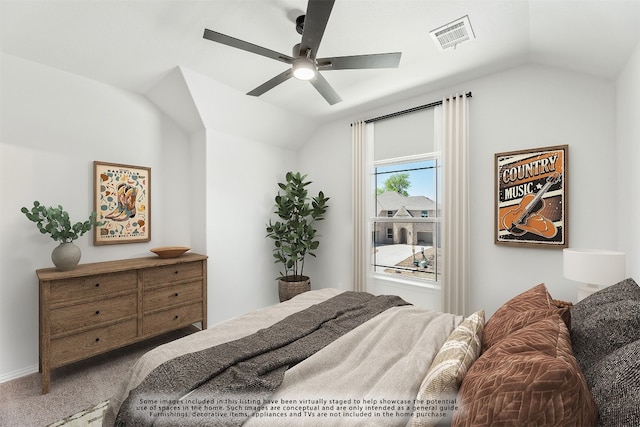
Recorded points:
(385, 358)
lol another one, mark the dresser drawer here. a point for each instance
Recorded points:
(171, 319)
(172, 295)
(172, 273)
(92, 313)
(80, 288)
(96, 341)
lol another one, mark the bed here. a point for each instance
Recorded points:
(533, 362)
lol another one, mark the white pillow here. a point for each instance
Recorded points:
(436, 399)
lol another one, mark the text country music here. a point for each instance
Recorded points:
(529, 170)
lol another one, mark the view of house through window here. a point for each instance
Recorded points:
(406, 227)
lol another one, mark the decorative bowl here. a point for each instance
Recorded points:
(170, 251)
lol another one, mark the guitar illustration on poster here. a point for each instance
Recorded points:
(531, 192)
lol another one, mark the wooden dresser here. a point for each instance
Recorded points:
(102, 306)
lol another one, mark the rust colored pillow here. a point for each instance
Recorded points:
(512, 323)
(507, 319)
(530, 377)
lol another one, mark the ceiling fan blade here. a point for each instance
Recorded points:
(315, 22)
(249, 47)
(282, 77)
(378, 60)
(325, 89)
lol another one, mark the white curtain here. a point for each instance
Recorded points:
(453, 142)
(362, 141)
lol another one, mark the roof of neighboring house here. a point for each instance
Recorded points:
(393, 201)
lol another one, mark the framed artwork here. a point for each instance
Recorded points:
(122, 201)
(531, 197)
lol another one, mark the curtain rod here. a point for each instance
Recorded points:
(410, 110)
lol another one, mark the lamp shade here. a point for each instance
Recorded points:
(594, 266)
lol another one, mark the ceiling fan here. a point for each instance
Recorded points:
(303, 61)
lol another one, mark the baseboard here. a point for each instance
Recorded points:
(18, 373)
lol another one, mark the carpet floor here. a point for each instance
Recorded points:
(74, 388)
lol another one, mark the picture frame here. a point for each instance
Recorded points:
(531, 193)
(122, 202)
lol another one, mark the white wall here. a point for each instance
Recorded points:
(54, 125)
(232, 197)
(241, 180)
(628, 149)
(525, 107)
(326, 159)
(550, 107)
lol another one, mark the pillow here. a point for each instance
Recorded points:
(614, 381)
(565, 310)
(507, 323)
(621, 291)
(529, 378)
(448, 368)
(605, 321)
(506, 319)
(626, 290)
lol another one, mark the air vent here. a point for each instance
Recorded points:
(453, 33)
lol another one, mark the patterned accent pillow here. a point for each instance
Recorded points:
(565, 310)
(504, 325)
(530, 377)
(507, 319)
(447, 370)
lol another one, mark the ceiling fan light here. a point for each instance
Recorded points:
(303, 69)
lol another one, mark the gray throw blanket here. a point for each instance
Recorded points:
(231, 380)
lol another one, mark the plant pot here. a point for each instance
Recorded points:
(66, 256)
(290, 286)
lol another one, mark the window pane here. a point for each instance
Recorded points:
(407, 261)
(420, 177)
(406, 232)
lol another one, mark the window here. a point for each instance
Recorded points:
(405, 244)
(402, 136)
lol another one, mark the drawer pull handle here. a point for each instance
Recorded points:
(97, 339)
(175, 317)
(176, 272)
(176, 294)
(97, 285)
(97, 311)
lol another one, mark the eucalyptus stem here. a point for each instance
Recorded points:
(55, 221)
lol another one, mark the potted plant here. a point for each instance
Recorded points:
(55, 222)
(293, 233)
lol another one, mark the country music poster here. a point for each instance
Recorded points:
(531, 197)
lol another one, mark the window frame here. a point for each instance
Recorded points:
(435, 219)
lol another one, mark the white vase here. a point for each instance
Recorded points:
(66, 256)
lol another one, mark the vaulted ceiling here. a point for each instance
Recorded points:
(135, 44)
